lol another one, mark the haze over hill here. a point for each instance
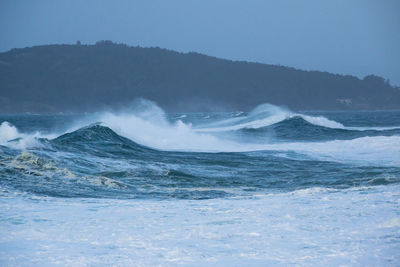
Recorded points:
(55, 78)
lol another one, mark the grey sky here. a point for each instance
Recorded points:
(357, 37)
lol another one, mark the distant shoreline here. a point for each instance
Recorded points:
(85, 78)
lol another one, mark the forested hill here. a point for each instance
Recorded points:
(54, 78)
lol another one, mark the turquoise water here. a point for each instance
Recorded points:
(143, 187)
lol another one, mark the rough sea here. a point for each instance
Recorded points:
(141, 187)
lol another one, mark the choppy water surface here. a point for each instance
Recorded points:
(142, 187)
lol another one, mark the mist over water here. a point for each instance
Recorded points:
(266, 186)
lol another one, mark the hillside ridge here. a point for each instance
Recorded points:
(54, 78)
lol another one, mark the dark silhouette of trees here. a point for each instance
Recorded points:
(87, 77)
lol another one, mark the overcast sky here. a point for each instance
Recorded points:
(357, 37)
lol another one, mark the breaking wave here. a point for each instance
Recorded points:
(267, 115)
(263, 116)
(147, 125)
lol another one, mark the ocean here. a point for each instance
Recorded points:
(141, 187)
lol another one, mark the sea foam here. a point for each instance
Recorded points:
(11, 137)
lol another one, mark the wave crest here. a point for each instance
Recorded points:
(266, 115)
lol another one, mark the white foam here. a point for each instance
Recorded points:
(307, 228)
(11, 137)
(157, 133)
(381, 150)
(7, 132)
(373, 128)
(321, 121)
